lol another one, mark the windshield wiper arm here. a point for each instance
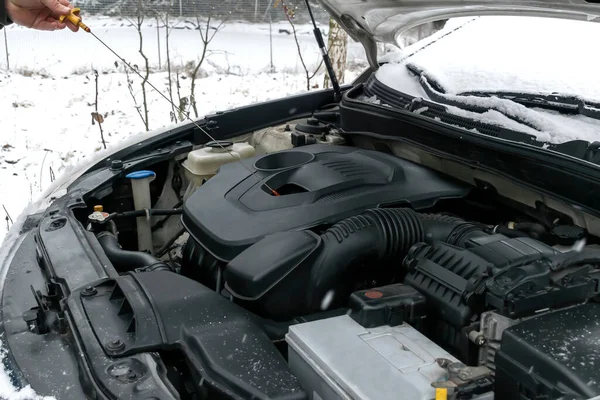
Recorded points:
(438, 112)
(436, 92)
(554, 101)
(468, 101)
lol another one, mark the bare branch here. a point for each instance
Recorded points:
(7, 214)
(183, 101)
(130, 88)
(317, 70)
(96, 117)
(158, 39)
(206, 39)
(6, 51)
(167, 41)
(289, 14)
(140, 21)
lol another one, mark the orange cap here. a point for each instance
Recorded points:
(75, 19)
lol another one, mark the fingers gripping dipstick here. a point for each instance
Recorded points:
(75, 19)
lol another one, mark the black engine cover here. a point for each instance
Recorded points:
(553, 356)
(317, 185)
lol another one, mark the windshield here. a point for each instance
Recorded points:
(490, 69)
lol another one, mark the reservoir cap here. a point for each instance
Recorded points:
(141, 175)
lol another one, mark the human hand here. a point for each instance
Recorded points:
(40, 14)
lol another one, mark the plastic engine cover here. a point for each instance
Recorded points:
(553, 356)
(336, 358)
(317, 184)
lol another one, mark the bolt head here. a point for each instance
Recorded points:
(89, 291)
(116, 165)
(115, 344)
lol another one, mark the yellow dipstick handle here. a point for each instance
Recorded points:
(75, 19)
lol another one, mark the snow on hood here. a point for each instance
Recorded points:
(370, 21)
(517, 54)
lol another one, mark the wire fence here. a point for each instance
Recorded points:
(255, 11)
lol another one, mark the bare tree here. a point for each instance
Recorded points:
(6, 50)
(337, 45)
(96, 116)
(271, 44)
(168, 29)
(206, 36)
(131, 92)
(138, 25)
(158, 39)
(289, 15)
(183, 102)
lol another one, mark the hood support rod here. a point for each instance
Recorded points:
(337, 93)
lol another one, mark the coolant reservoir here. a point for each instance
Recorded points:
(294, 134)
(203, 164)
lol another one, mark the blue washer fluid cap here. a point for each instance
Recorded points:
(141, 174)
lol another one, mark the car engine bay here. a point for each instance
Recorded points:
(296, 264)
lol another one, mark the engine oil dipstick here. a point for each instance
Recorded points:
(75, 19)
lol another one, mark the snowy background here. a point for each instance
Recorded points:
(48, 95)
(48, 91)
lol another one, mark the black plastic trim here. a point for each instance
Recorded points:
(557, 175)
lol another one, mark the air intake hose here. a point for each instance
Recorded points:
(451, 230)
(377, 235)
(125, 260)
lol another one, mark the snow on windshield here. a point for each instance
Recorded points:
(519, 54)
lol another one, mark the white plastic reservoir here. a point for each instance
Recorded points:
(203, 164)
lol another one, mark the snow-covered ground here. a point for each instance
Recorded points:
(48, 95)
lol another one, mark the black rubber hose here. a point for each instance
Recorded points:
(451, 230)
(534, 229)
(376, 235)
(125, 260)
(151, 212)
(142, 213)
(168, 246)
(163, 221)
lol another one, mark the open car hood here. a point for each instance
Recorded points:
(372, 21)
